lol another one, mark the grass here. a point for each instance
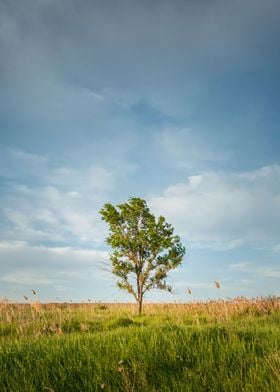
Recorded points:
(213, 346)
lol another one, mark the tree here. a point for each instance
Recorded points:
(144, 248)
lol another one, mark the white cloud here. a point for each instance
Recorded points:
(241, 266)
(38, 265)
(276, 248)
(25, 278)
(16, 163)
(204, 285)
(225, 210)
(12, 244)
(27, 156)
(267, 270)
(247, 281)
(92, 179)
(61, 205)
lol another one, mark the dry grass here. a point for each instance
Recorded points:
(40, 318)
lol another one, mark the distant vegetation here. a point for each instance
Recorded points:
(214, 346)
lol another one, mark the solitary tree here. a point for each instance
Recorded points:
(144, 248)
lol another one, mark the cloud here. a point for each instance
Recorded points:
(225, 210)
(276, 248)
(26, 278)
(267, 270)
(186, 148)
(53, 204)
(17, 164)
(27, 156)
(241, 266)
(93, 179)
(49, 214)
(27, 265)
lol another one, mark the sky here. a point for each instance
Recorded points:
(176, 102)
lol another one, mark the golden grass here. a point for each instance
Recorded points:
(218, 310)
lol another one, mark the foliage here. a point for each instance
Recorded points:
(145, 248)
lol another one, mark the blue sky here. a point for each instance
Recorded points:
(176, 102)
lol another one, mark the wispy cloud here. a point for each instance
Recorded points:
(55, 267)
(28, 278)
(241, 266)
(267, 270)
(276, 248)
(62, 206)
(185, 148)
(27, 156)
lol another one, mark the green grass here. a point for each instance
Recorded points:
(199, 347)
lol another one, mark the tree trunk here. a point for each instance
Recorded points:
(140, 302)
(140, 294)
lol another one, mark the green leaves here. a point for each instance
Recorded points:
(145, 248)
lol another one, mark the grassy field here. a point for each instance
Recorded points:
(213, 346)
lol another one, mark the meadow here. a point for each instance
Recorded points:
(220, 346)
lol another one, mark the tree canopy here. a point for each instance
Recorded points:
(145, 249)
